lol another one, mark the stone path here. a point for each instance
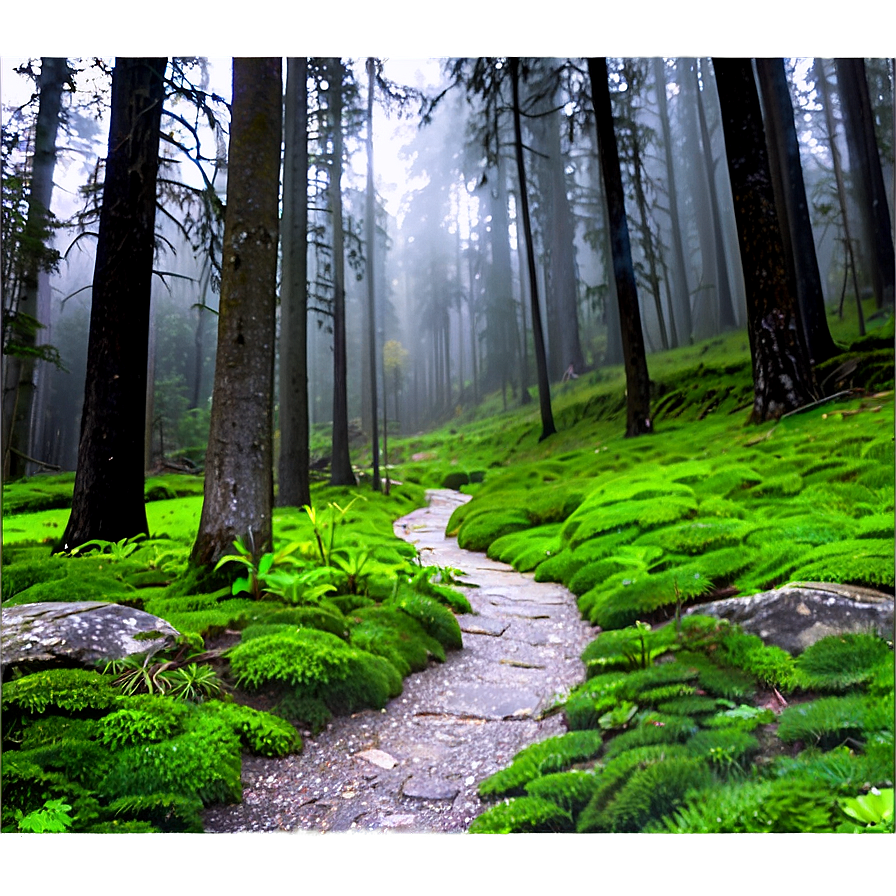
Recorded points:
(415, 765)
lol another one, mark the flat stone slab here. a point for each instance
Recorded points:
(429, 788)
(79, 633)
(489, 701)
(482, 625)
(379, 758)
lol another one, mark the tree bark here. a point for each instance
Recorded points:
(340, 464)
(541, 364)
(637, 379)
(239, 490)
(782, 374)
(21, 368)
(108, 494)
(796, 226)
(294, 489)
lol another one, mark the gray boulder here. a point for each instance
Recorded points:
(80, 633)
(801, 613)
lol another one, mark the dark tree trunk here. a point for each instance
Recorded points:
(864, 164)
(637, 379)
(21, 368)
(679, 298)
(368, 377)
(541, 364)
(107, 502)
(294, 488)
(239, 489)
(782, 374)
(796, 226)
(340, 464)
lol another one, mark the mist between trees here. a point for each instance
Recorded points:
(502, 225)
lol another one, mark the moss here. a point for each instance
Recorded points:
(19, 576)
(478, 531)
(570, 790)
(552, 755)
(316, 664)
(840, 662)
(69, 690)
(436, 620)
(525, 815)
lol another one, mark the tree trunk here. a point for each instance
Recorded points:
(541, 364)
(108, 494)
(637, 379)
(294, 488)
(796, 226)
(782, 374)
(239, 488)
(864, 164)
(368, 350)
(679, 298)
(650, 250)
(340, 464)
(850, 261)
(21, 369)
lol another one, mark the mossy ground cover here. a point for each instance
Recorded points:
(352, 613)
(637, 528)
(707, 506)
(683, 739)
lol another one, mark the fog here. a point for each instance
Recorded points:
(451, 288)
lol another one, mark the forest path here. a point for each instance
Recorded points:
(416, 764)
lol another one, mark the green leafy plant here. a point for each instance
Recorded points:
(52, 818)
(871, 810)
(325, 530)
(254, 582)
(118, 550)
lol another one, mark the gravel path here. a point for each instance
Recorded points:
(415, 765)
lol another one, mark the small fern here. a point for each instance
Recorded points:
(523, 815)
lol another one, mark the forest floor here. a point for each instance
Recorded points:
(415, 765)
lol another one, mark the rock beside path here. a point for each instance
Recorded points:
(797, 615)
(416, 765)
(79, 633)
